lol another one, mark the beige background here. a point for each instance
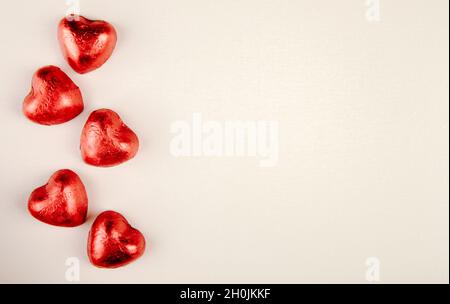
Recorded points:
(363, 113)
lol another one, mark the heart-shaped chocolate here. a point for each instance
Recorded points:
(86, 44)
(113, 242)
(106, 141)
(53, 99)
(61, 202)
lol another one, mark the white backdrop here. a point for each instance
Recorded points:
(362, 107)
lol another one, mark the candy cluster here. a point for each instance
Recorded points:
(105, 141)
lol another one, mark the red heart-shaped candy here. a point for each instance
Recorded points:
(53, 99)
(86, 44)
(113, 242)
(106, 141)
(61, 202)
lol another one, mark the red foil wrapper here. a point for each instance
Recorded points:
(61, 202)
(53, 99)
(113, 242)
(106, 141)
(86, 44)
